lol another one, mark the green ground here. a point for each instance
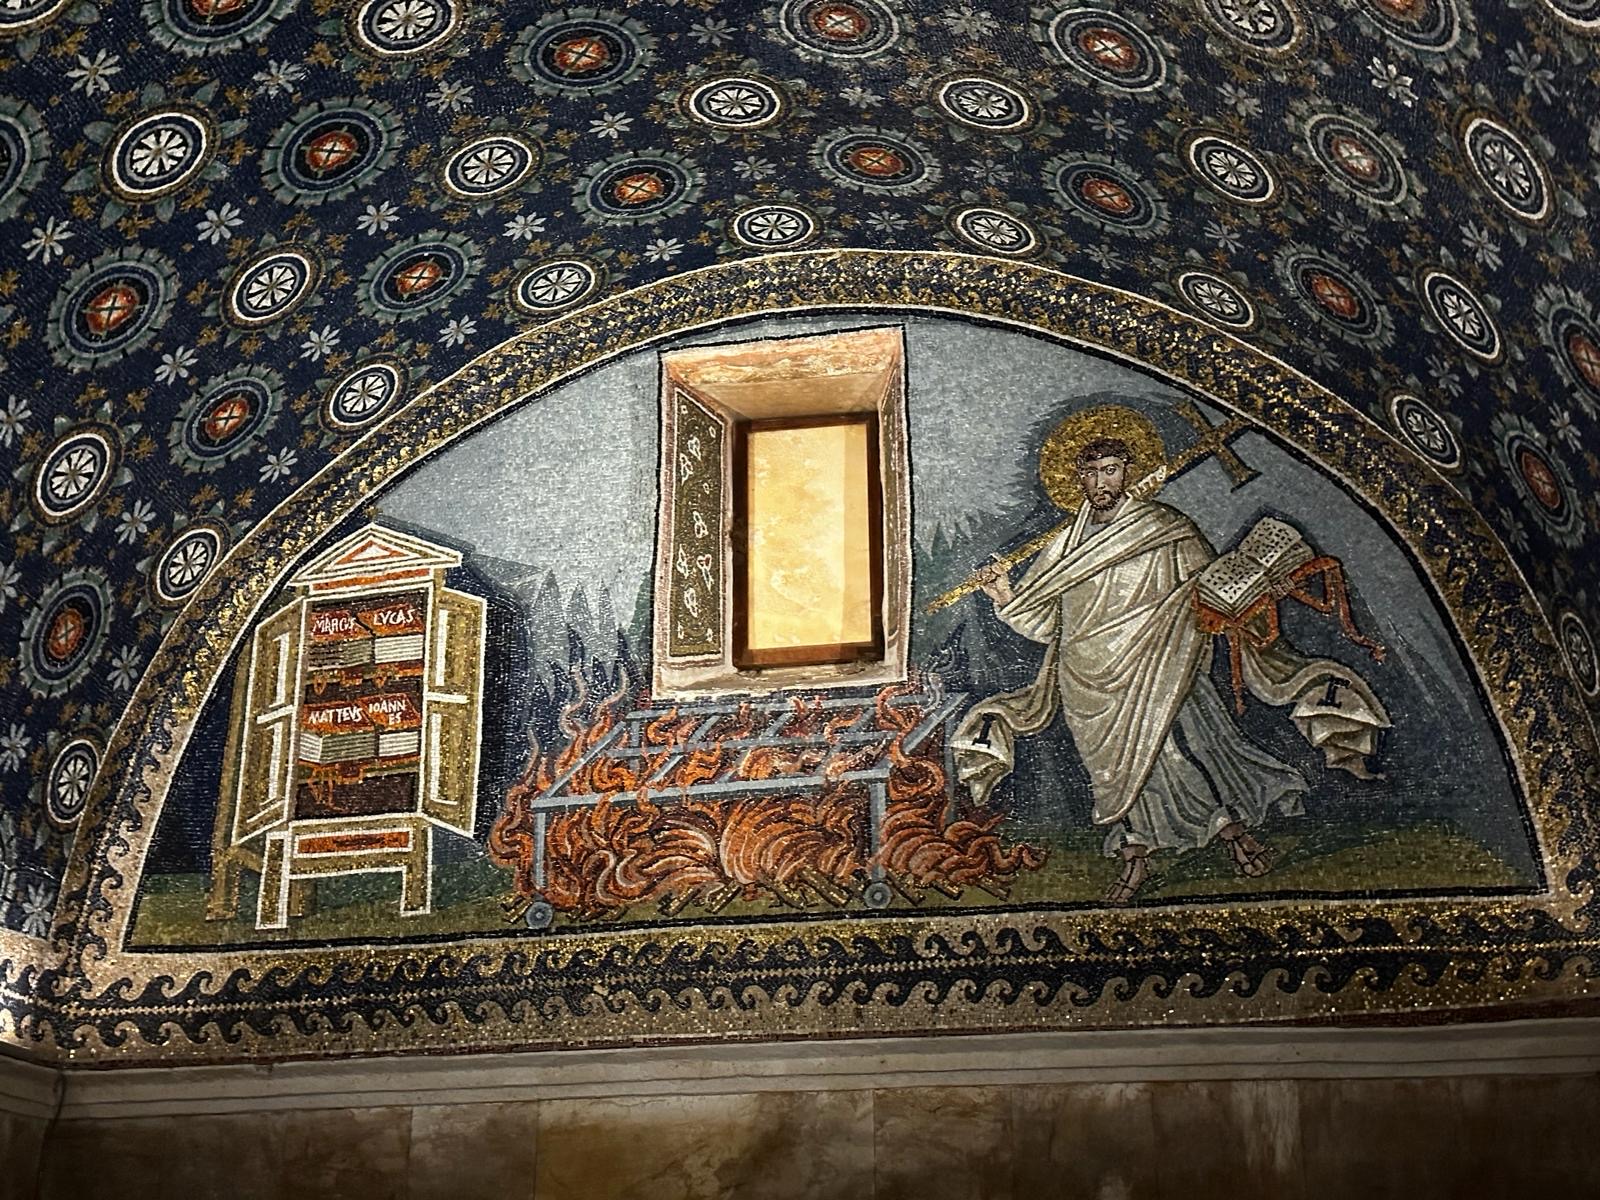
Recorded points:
(1318, 858)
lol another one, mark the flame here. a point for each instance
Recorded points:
(672, 845)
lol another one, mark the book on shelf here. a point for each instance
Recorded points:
(400, 744)
(340, 654)
(1262, 561)
(383, 651)
(321, 749)
(403, 647)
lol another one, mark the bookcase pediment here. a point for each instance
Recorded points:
(375, 551)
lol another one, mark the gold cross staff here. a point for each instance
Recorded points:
(1212, 443)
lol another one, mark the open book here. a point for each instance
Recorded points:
(1264, 557)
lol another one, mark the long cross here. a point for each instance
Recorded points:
(1213, 442)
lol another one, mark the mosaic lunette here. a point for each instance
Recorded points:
(1372, 943)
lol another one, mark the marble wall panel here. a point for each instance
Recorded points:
(1086, 1140)
(467, 1150)
(773, 1145)
(1217, 1136)
(1473, 1138)
(21, 1139)
(933, 1143)
(333, 1154)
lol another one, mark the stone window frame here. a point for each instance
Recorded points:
(693, 386)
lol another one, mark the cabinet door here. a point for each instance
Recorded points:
(267, 728)
(453, 710)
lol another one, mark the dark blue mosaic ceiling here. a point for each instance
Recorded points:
(235, 233)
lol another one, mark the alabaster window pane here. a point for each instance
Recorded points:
(809, 537)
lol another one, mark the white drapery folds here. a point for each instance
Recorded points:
(1113, 606)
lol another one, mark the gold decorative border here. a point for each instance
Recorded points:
(1551, 739)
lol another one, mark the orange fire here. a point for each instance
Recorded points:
(671, 845)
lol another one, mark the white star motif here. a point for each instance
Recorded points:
(159, 152)
(408, 20)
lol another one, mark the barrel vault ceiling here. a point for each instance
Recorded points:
(234, 233)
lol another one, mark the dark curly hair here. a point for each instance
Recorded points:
(1105, 447)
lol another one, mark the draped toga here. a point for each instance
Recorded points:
(1124, 668)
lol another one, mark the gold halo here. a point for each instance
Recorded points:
(1058, 457)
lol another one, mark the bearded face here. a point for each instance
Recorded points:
(1105, 482)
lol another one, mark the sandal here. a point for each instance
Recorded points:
(1135, 874)
(1250, 857)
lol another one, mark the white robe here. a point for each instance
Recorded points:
(1124, 667)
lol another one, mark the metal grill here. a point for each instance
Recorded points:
(859, 739)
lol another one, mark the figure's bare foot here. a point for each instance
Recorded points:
(1250, 857)
(1135, 871)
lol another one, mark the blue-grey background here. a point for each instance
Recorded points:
(568, 485)
(554, 505)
